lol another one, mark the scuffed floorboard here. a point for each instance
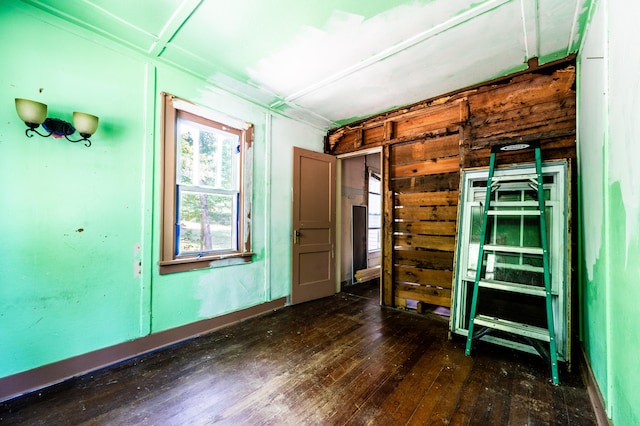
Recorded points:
(341, 360)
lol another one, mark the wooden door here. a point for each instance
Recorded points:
(313, 224)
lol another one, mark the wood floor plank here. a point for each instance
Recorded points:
(493, 401)
(439, 402)
(378, 371)
(367, 413)
(306, 378)
(361, 366)
(341, 360)
(400, 405)
(468, 396)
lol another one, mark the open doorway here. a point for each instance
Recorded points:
(360, 216)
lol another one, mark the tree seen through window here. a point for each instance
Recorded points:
(208, 188)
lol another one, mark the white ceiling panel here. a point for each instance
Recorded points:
(556, 32)
(329, 62)
(459, 57)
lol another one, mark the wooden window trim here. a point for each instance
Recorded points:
(169, 262)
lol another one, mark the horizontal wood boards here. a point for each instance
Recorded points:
(428, 146)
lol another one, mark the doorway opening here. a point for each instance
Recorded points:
(360, 218)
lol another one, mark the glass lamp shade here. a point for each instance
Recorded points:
(31, 111)
(85, 124)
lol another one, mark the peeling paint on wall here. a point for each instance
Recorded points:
(592, 137)
(625, 311)
(624, 124)
(610, 204)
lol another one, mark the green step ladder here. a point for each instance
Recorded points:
(532, 334)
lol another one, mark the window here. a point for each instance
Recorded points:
(206, 192)
(373, 240)
(522, 231)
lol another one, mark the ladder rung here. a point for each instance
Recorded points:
(526, 330)
(513, 287)
(511, 178)
(513, 249)
(513, 212)
(514, 204)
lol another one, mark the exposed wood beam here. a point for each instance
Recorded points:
(379, 119)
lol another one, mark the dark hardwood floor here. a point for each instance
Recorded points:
(335, 361)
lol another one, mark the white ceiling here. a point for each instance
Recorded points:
(333, 61)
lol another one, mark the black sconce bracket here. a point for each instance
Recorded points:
(58, 129)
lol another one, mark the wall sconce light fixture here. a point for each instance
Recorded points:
(34, 114)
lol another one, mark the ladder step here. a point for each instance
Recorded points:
(532, 204)
(513, 212)
(513, 287)
(515, 146)
(512, 178)
(526, 330)
(513, 249)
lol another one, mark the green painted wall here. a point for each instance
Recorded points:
(624, 267)
(70, 217)
(592, 95)
(609, 132)
(75, 220)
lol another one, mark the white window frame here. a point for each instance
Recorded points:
(372, 175)
(558, 204)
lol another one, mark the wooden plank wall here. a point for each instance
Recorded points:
(424, 183)
(426, 147)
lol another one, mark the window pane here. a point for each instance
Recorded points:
(374, 221)
(476, 224)
(374, 209)
(508, 195)
(207, 222)
(374, 184)
(373, 240)
(517, 231)
(184, 168)
(374, 203)
(507, 230)
(533, 195)
(207, 157)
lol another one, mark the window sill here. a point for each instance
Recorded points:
(204, 262)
